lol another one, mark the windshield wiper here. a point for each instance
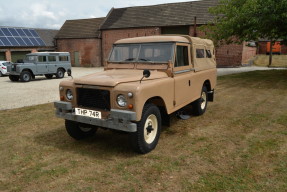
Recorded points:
(129, 59)
(148, 60)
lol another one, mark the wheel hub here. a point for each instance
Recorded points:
(149, 128)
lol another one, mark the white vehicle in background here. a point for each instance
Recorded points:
(4, 67)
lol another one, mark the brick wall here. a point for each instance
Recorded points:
(227, 55)
(248, 53)
(89, 50)
(110, 36)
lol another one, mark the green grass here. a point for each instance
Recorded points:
(239, 144)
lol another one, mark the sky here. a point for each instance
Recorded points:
(51, 14)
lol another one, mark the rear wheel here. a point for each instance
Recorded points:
(79, 131)
(49, 76)
(147, 135)
(1, 74)
(60, 73)
(25, 76)
(199, 106)
(14, 77)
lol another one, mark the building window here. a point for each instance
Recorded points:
(199, 53)
(181, 58)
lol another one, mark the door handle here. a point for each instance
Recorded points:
(189, 82)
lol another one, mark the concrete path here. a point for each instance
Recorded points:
(228, 71)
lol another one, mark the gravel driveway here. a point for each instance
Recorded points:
(42, 90)
(38, 91)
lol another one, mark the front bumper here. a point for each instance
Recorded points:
(118, 119)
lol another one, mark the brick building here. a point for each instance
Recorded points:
(82, 39)
(16, 42)
(92, 39)
(172, 18)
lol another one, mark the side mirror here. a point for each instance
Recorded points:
(146, 73)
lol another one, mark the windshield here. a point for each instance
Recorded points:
(148, 52)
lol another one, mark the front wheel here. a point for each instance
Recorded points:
(14, 77)
(79, 131)
(148, 131)
(199, 106)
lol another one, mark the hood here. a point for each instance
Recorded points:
(111, 78)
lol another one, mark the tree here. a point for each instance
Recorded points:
(236, 21)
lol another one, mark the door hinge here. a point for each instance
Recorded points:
(174, 103)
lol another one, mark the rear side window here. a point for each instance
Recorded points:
(208, 54)
(181, 58)
(42, 58)
(199, 53)
(63, 58)
(52, 58)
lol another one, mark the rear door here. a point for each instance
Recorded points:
(53, 63)
(42, 65)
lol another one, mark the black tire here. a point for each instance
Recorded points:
(199, 106)
(14, 77)
(1, 74)
(79, 131)
(49, 76)
(148, 131)
(25, 76)
(60, 73)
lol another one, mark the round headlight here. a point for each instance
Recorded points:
(69, 94)
(121, 100)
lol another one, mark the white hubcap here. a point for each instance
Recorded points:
(150, 128)
(203, 100)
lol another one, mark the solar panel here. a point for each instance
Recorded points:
(16, 37)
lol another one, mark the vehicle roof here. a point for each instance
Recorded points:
(49, 53)
(149, 39)
(166, 38)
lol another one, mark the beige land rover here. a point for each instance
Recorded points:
(144, 81)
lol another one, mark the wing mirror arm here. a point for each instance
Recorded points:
(146, 74)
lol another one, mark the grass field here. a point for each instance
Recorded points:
(239, 144)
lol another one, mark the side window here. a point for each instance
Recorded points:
(63, 58)
(208, 54)
(52, 58)
(199, 53)
(181, 58)
(42, 58)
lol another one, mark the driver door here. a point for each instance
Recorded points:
(182, 73)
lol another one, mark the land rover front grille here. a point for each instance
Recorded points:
(94, 98)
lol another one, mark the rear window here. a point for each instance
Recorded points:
(208, 54)
(199, 53)
(63, 58)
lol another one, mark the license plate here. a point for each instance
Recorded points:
(88, 113)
